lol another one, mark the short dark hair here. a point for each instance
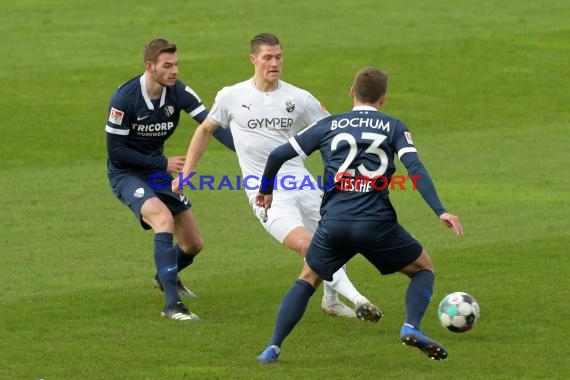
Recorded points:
(263, 39)
(156, 47)
(370, 84)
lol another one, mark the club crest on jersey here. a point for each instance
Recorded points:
(290, 105)
(409, 138)
(169, 111)
(116, 116)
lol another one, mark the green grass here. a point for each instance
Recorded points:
(482, 85)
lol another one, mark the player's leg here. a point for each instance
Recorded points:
(420, 288)
(187, 234)
(284, 222)
(133, 191)
(390, 248)
(310, 202)
(418, 297)
(155, 213)
(291, 310)
(397, 250)
(299, 239)
(189, 241)
(189, 244)
(158, 216)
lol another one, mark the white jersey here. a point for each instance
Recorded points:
(261, 121)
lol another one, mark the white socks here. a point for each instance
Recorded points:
(341, 284)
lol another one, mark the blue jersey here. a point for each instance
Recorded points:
(137, 126)
(358, 150)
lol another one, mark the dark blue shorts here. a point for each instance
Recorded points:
(385, 244)
(133, 190)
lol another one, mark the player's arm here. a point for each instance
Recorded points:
(191, 102)
(313, 111)
(121, 154)
(223, 135)
(196, 149)
(302, 144)
(424, 184)
(276, 159)
(117, 136)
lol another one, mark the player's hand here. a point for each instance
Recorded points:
(264, 201)
(452, 222)
(175, 164)
(174, 184)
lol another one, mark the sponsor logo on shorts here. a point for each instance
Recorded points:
(139, 193)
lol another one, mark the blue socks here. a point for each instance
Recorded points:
(182, 258)
(166, 266)
(291, 310)
(418, 296)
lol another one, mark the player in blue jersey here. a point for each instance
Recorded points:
(143, 113)
(358, 149)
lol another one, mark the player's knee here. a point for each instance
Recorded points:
(298, 244)
(157, 215)
(194, 247)
(423, 262)
(310, 277)
(304, 246)
(160, 222)
(315, 282)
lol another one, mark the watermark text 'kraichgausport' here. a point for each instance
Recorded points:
(343, 181)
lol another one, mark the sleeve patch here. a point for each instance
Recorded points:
(116, 116)
(409, 138)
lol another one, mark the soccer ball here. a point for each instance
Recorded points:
(458, 312)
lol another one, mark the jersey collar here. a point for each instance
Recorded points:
(252, 83)
(144, 92)
(364, 108)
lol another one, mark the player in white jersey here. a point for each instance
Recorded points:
(263, 113)
(261, 121)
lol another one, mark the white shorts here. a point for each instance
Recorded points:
(289, 210)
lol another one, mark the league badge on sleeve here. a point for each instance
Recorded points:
(409, 138)
(116, 116)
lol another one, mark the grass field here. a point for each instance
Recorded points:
(482, 85)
